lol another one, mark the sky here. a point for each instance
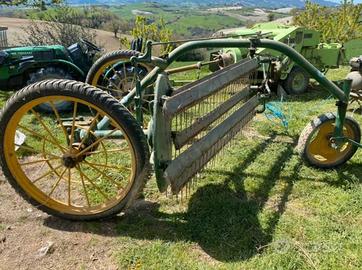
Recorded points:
(355, 1)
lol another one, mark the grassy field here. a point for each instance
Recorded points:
(182, 21)
(258, 207)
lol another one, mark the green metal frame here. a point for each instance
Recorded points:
(342, 95)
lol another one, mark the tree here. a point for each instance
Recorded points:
(96, 16)
(61, 26)
(38, 3)
(271, 17)
(338, 24)
(151, 30)
(116, 25)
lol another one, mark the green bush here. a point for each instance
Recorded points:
(338, 24)
(155, 31)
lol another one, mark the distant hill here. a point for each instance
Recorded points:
(246, 3)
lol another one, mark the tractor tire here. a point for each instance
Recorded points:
(297, 81)
(314, 145)
(116, 81)
(51, 73)
(99, 67)
(114, 74)
(86, 192)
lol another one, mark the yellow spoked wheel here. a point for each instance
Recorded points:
(114, 74)
(316, 148)
(60, 163)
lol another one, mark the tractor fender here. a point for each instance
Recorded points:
(58, 62)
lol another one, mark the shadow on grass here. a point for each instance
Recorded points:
(221, 218)
(348, 174)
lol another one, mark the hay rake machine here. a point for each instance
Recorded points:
(94, 161)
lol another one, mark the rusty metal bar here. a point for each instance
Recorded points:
(184, 136)
(197, 65)
(181, 168)
(190, 94)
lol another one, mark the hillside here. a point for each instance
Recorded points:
(199, 21)
(184, 21)
(16, 26)
(246, 3)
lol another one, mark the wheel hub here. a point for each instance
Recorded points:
(70, 159)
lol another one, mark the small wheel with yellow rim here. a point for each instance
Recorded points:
(64, 165)
(316, 148)
(114, 73)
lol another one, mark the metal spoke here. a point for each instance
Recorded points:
(58, 118)
(125, 74)
(36, 161)
(115, 167)
(96, 142)
(89, 129)
(90, 181)
(105, 175)
(57, 182)
(109, 81)
(46, 174)
(133, 79)
(42, 137)
(69, 186)
(115, 72)
(84, 188)
(47, 129)
(103, 88)
(73, 125)
(40, 169)
(30, 149)
(108, 151)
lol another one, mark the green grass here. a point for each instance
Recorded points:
(3, 97)
(259, 207)
(183, 21)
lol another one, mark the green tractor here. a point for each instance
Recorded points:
(285, 72)
(26, 65)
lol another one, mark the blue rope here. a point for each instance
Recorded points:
(275, 111)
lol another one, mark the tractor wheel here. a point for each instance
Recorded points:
(46, 74)
(315, 147)
(63, 166)
(114, 74)
(297, 81)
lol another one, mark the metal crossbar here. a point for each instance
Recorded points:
(193, 123)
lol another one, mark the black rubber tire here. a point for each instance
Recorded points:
(288, 82)
(315, 124)
(105, 102)
(120, 55)
(46, 74)
(108, 57)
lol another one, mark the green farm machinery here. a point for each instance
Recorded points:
(94, 161)
(284, 71)
(21, 66)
